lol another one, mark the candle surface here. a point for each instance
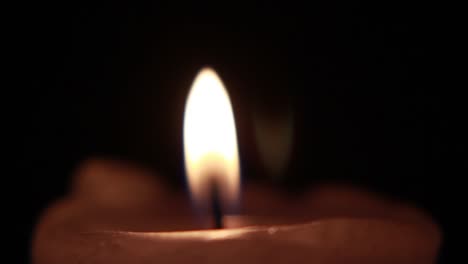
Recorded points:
(117, 213)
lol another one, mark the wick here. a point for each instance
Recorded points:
(216, 208)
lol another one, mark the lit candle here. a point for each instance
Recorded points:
(117, 214)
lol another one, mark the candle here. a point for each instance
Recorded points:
(117, 213)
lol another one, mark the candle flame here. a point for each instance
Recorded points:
(210, 141)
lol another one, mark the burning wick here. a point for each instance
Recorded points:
(216, 208)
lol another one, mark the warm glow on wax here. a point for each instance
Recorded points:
(210, 141)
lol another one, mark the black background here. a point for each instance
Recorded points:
(111, 81)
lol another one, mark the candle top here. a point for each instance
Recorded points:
(334, 225)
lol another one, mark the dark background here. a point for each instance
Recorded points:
(111, 81)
